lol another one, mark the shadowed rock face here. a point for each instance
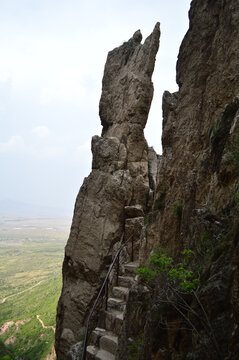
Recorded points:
(193, 167)
(199, 169)
(119, 178)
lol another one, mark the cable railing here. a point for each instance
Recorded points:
(104, 285)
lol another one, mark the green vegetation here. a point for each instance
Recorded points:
(177, 290)
(134, 348)
(177, 273)
(178, 209)
(146, 273)
(31, 254)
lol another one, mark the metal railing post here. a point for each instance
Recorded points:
(132, 250)
(106, 294)
(117, 271)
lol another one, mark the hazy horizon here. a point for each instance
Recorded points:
(14, 208)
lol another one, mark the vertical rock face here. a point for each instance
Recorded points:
(119, 178)
(192, 166)
(198, 175)
(127, 93)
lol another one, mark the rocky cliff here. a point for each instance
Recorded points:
(185, 199)
(119, 178)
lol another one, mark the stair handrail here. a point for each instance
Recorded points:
(98, 296)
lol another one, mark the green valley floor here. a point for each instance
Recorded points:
(31, 254)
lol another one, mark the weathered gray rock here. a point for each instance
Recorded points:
(109, 154)
(199, 170)
(75, 352)
(127, 89)
(119, 178)
(134, 211)
(127, 92)
(133, 234)
(152, 167)
(135, 318)
(169, 118)
(208, 79)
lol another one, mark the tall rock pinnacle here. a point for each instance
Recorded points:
(119, 178)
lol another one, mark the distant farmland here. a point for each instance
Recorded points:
(31, 254)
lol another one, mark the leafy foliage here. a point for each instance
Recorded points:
(176, 289)
(179, 274)
(146, 273)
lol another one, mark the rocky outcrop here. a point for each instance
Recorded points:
(195, 202)
(198, 121)
(186, 198)
(119, 178)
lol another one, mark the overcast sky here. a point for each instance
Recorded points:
(51, 66)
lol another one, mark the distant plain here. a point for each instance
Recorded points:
(31, 255)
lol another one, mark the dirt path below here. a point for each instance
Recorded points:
(21, 292)
(43, 325)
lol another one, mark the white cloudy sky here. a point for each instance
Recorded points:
(51, 66)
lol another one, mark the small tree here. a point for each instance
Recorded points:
(176, 285)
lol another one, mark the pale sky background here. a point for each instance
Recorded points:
(51, 66)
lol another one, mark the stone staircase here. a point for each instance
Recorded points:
(105, 341)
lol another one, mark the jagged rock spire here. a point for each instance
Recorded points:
(127, 89)
(119, 178)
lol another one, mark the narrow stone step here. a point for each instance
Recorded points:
(131, 267)
(115, 303)
(109, 343)
(104, 355)
(126, 281)
(97, 334)
(114, 320)
(120, 292)
(94, 353)
(91, 351)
